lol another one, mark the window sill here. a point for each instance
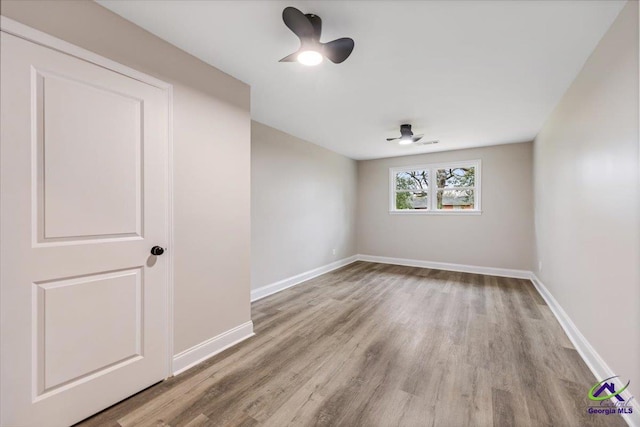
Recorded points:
(429, 212)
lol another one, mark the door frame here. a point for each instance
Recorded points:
(25, 32)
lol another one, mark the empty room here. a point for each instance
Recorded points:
(319, 213)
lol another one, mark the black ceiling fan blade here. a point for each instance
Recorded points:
(416, 138)
(298, 23)
(338, 50)
(290, 58)
(316, 23)
(392, 139)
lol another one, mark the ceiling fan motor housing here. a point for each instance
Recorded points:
(405, 130)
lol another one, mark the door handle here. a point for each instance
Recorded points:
(157, 250)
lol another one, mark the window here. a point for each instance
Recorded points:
(437, 188)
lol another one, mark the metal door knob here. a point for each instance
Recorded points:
(157, 250)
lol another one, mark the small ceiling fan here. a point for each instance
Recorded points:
(407, 137)
(308, 28)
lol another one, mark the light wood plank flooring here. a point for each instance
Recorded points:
(381, 345)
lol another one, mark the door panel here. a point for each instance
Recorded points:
(83, 182)
(102, 129)
(75, 310)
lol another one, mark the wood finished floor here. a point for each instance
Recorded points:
(381, 345)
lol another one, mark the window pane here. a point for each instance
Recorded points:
(455, 199)
(412, 200)
(456, 177)
(412, 180)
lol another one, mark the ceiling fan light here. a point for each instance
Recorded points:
(405, 141)
(309, 57)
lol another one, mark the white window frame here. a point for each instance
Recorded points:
(431, 194)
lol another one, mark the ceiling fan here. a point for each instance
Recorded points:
(407, 137)
(308, 28)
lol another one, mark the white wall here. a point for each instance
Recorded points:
(303, 204)
(587, 197)
(211, 143)
(501, 237)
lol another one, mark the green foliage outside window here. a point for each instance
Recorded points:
(403, 201)
(411, 189)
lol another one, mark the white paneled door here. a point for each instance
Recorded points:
(84, 199)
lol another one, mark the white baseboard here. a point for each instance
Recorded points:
(596, 364)
(489, 271)
(273, 288)
(206, 349)
(267, 290)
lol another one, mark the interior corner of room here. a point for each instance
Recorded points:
(277, 201)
